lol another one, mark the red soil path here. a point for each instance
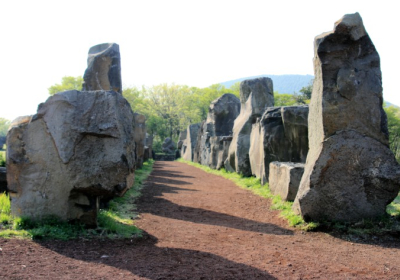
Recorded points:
(201, 226)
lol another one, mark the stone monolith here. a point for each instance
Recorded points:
(255, 96)
(139, 124)
(217, 130)
(350, 173)
(77, 149)
(104, 68)
(189, 144)
(280, 135)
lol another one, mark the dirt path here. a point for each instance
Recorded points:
(201, 226)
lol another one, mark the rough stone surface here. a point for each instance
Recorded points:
(219, 124)
(3, 180)
(181, 139)
(139, 124)
(350, 173)
(255, 96)
(104, 68)
(197, 148)
(188, 146)
(280, 135)
(168, 146)
(148, 148)
(284, 179)
(76, 149)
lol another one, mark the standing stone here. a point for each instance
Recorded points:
(181, 139)
(189, 144)
(197, 148)
(148, 148)
(219, 124)
(284, 179)
(76, 149)
(139, 124)
(104, 68)
(350, 173)
(280, 135)
(255, 96)
(168, 146)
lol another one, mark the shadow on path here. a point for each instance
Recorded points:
(152, 202)
(144, 259)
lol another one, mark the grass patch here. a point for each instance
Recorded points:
(114, 222)
(254, 185)
(2, 158)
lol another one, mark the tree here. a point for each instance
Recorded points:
(393, 117)
(284, 99)
(4, 124)
(307, 90)
(67, 83)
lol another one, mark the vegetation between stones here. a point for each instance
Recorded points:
(114, 222)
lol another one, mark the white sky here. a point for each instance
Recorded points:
(197, 43)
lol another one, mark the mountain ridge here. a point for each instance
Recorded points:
(282, 83)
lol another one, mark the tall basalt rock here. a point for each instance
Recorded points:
(280, 135)
(139, 123)
(104, 68)
(255, 96)
(189, 145)
(182, 137)
(77, 149)
(217, 130)
(148, 147)
(350, 173)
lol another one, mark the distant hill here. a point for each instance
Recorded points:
(282, 83)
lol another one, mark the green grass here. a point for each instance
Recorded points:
(114, 222)
(254, 185)
(2, 158)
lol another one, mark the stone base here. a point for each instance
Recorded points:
(284, 179)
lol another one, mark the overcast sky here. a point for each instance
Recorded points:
(197, 43)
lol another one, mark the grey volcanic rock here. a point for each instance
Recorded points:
(284, 179)
(280, 135)
(219, 124)
(139, 124)
(197, 148)
(3, 180)
(350, 173)
(104, 68)
(168, 146)
(190, 142)
(148, 148)
(255, 96)
(76, 149)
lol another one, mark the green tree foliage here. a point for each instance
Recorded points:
(169, 109)
(306, 91)
(393, 116)
(4, 124)
(284, 99)
(67, 83)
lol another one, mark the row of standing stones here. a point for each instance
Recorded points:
(80, 149)
(331, 158)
